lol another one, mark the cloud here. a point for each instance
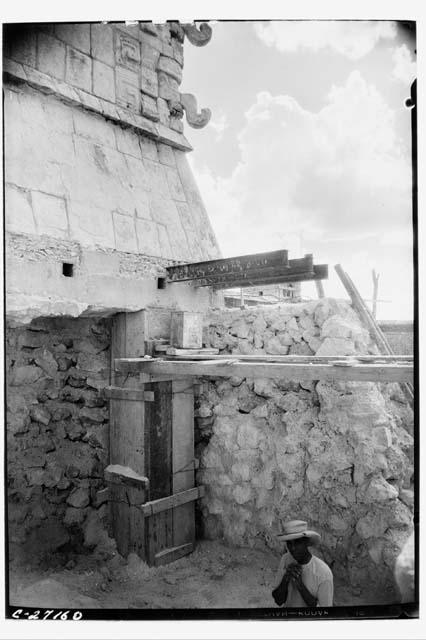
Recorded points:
(353, 39)
(219, 124)
(405, 67)
(340, 177)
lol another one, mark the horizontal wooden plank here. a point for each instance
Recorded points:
(234, 265)
(318, 272)
(118, 473)
(175, 500)
(174, 553)
(393, 372)
(173, 351)
(146, 378)
(295, 358)
(135, 395)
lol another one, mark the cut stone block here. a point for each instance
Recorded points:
(164, 210)
(50, 214)
(165, 154)
(51, 56)
(147, 234)
(103, 81)
(79, 69)
(149, 108)
(128, 142)
(19, 214)
(127, 89)
(77, 35)
(175, 185)
(125, 235)
(91, 225)
(102, 46)
(23, 47)
(171, 67)
(149, 82)
(149, 149)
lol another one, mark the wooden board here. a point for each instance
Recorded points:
(127, 437)
(275, 370)
(121, 393)
(295, 359)
(183, 457)
(172, 554)
(228, 266)
(170, 502)
(158, 442)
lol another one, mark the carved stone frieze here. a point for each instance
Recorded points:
(194, 119)
(127, 51)
(198, 37)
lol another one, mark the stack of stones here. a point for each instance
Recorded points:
(57, 438)
(336, 454)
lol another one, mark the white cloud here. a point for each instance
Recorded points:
(219, 124)
(405, 67)
(352, 38)
(340, 176)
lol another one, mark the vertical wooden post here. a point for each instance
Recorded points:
(183, 458)
(320, 288)
(127, 445)
(375, 291)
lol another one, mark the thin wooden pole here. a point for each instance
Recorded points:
(375, 291)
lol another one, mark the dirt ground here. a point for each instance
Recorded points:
(213, 576)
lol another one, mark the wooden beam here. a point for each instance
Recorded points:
(175, 500)
(319, 272)
(297, 270)
(123, 393)
(235, 265)
(126, 444)
(320, 288)
(294, 358)
(275, 370)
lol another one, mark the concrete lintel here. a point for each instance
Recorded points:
(39, 288)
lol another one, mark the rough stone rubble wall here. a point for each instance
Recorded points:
(336, 454)
(57, 438)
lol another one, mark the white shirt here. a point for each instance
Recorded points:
(316, 577)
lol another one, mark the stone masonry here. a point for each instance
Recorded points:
(57, 439)
(96, 169)
(339, 455)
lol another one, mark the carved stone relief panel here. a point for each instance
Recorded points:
(127, 51)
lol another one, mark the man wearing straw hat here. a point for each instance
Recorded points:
(303, 580)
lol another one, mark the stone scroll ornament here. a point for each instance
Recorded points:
(198, 37)
(193, 118)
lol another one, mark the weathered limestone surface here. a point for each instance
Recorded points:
(72, 175)
(90, 169)
(57, 438)
(338, 455)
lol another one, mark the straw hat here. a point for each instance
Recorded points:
(294, 529)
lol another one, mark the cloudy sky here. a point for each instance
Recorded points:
(309, 147)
